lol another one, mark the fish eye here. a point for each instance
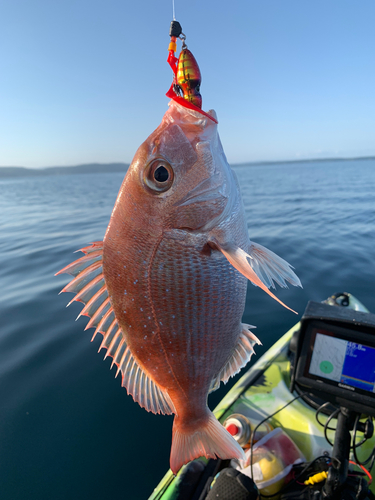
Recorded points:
(159, 175)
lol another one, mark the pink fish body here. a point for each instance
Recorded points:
(167, 286)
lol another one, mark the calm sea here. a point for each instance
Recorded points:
(67, 428)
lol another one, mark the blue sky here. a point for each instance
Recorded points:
(84, 81)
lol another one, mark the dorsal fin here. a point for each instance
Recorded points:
(240, 357)
(89, 286)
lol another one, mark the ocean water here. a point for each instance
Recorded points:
(67, 428)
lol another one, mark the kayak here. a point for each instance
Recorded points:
(261, 392)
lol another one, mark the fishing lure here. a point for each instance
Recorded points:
(187, 78)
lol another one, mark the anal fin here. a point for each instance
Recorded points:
(240, 357)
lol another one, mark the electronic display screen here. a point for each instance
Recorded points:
(334, 357)
(350, 365)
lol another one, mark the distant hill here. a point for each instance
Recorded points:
(88, 168)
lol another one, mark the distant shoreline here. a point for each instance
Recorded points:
(87, 168)
(309, 160)
(97, 168)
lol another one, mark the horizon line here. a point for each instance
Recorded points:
(239, 164)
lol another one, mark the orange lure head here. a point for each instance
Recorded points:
(189, 78)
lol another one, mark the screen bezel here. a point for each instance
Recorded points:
(352, 397)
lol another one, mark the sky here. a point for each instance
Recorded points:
(85, 81)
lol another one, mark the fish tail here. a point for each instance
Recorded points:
(210, 440)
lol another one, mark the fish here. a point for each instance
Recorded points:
(167, 286)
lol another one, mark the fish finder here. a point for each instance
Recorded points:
(334, 357)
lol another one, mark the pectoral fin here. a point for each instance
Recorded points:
(239, 260)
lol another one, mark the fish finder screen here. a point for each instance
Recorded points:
(343, 362)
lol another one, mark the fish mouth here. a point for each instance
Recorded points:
(207, 190)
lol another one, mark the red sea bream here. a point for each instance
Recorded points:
(167, 286)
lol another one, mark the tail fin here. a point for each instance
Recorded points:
(210, 440)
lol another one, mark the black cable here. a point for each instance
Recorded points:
(355, 445)
(371, 457)
(326, 457)
(326, 427)
(317, 413)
